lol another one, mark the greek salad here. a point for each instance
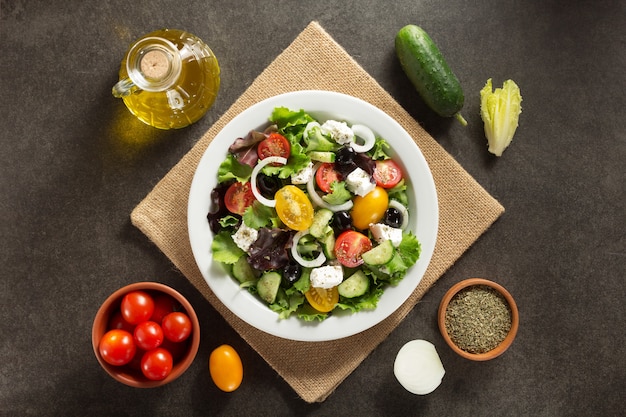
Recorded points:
(311, 216)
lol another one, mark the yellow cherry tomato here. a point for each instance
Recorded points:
(322, 299)
(369, 208)
(294, 208)
(226, 368)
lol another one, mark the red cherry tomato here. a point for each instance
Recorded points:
(326, 175)
(176, 326)
(239, 197)
(117, 347)
(137, 306)
(274, 145)
(118, 322)
(163, 305)
(148, 335)
(157, 364)
(387, 173)
(349, 247)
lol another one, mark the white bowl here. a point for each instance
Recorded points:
(322, 105)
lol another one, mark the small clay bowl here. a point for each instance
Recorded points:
(504, 345)
(128, 374)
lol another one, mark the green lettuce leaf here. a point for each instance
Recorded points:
(258, 215)
(367, 301)
(297, 161)
(500, 110)
(308, 313)
(228, 221)
(224, 248)
(316, 141)
(404, 257)
(399, 194)
(379, 151)
(230, 168)
(339, 194)
(283, 117)
(409, 248)
(304, 283)
(286, 304)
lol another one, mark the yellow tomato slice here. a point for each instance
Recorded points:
(322, 299)
(369, 208)
(294, 208)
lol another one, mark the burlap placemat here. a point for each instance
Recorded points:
(315, 61)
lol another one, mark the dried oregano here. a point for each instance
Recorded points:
(478, 319)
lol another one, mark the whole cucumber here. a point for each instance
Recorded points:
(429, 72)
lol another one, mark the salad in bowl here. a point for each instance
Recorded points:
(314, 218)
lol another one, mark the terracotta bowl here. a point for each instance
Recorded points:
(132, 375)
(504, 345)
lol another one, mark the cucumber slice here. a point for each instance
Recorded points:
(320, 220)
(308, 248)
(328, 243)
(355, 285)
(379, 255)
(322, 156)
(242, 271)
(268, 286)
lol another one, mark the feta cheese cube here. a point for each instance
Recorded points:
(303, 176)
(339, 131)
(382, 232)
(245, 237)
(359, 182)
(328, 276)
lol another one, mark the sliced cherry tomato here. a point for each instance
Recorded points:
(274, 145)
(326, 174)
(176, 326)
(322, 299)
(157, 364)
(137, 306)
(163, 305)
(117, 347)
(387, 173)
(294, 207)
(148, 335)
(349, 247)
(370, 208)
(226, 368)
(239, 197)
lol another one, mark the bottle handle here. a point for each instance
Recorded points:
(123, 88)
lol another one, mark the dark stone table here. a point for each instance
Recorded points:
(68, 187)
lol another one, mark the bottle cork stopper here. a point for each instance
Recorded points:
(155, 64)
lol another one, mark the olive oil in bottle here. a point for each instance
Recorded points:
(168, 79)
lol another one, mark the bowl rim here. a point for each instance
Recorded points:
(508, 340)
(99, 328)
